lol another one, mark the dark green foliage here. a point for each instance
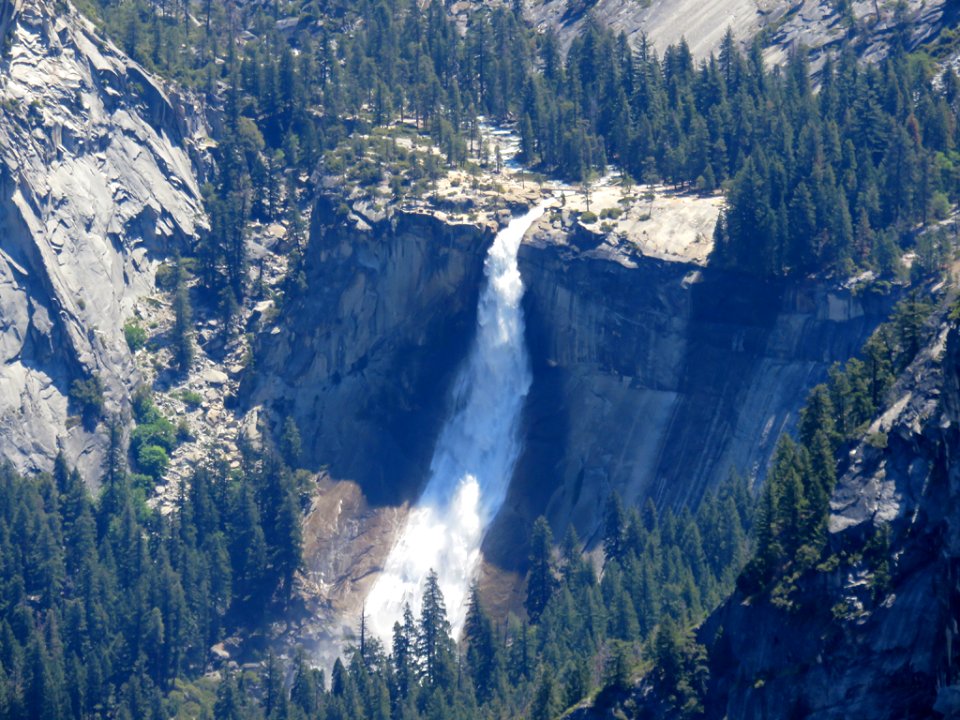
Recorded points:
(435, 648)
(792, 513)
(616, 671)
(135, 336)
(182, 337)
(290, 445)
(107, 605)
(681, 670)
(103, 606)
(540, 581)
(87, 395)
(483, 652)
(153, 438)
(153, 460)
(614, 529)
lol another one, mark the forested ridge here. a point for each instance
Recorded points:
(824, 178)
(107, 603)
(110, 609)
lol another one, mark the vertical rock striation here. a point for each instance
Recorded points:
(858, 644)
(96, 185)
(364, 357)
(657, 379)
(652, 378)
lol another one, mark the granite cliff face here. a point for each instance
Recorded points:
(657, 379)
(817, 25)
(362, 360)
(96, 186)
(856, 648)
(653, 378)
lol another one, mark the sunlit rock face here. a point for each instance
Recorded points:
(96, 185)
(818, 25)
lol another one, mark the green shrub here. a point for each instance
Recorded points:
(161, 433)
(167, 277)
(144, 409)
(192, 398)
(184, 433)
(588, 217)
(88, 395)
(135, 336)
(153, 461)
(142, 482)
(940, 205)
(877, 440)
(152, 427)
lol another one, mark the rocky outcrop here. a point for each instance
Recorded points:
(95, 186)
(786, 24)
(861, 646)
(657, 379)
(665, 22)
(363, 357)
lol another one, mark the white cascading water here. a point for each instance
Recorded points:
(475, 453)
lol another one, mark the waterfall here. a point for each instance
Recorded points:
(475, 454)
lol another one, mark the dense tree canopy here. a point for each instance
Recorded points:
(817, 179)
(105, 604)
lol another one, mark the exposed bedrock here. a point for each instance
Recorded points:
(652, 378)
(657, 379)
(96, 186)
(364, 357)
(858, 645)
(820, 26)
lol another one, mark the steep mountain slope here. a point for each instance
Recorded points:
(660, 379)
(869, 629)
(874, 631)
(96, 185)
(816, 24)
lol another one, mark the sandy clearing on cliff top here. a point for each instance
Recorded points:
(651, 220)
(655, 220)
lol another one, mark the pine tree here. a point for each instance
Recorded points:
(435, 648)
(540, 579)
(290, 443)
(404, 654)
(482, 656)
(614, 528)
(544, 706)
(183, 350)
(228, 705)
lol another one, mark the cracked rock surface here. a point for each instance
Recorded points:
(96, 184)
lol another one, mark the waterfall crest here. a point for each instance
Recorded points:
(475, 454)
